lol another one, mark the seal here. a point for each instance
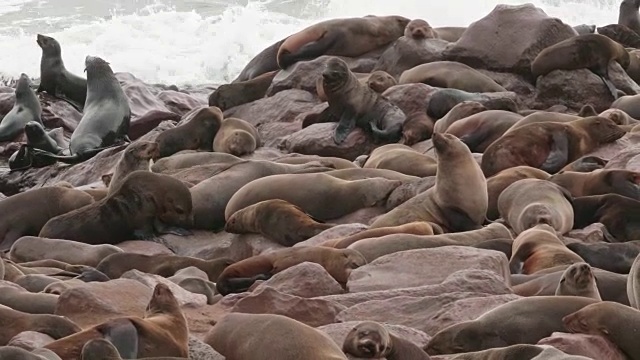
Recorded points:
(117, 264)
(633, 286)
(194, 134)
(549, 146)
(55, 79)
(26, 213)
(543, 117)
(31, 303)
(619, 117)
(584, 29)
(629, 16)
(460, 111)
(228, 96)
(443, 100)
(611, 320)
(600, 182)
(37, 138)
(419, 29)
(617, 213)
(590, 51)
(520, 351)
(137, 156)
(277, 220)
(585, 164)
(480, 130)
(264, 62)
(17, 353)
(189, 158)
(14, 322)
(629, 104)
(522, 321)
(236, 137)
(317, 201)
(162, 332)
(578, 280)
(450, 74)
(145, 204)
(237, 336)
(328, 161)
(25, 109)
(239, 276)
(416, 128)
(539, 248)
(379, 81)
(457, 202)
(355, 104)
(500, 181)
(370, 339)
(415, 228)
(403, 159)
(29, 248)
(196, 281)
(529, 202)
(351, 37)
(105, 118)
(614, 257)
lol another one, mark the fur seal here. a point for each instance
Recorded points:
(379, 81)
(529, 202)
(629, 104)
(238, 336)
(162, 332)
(236, 137)
(239, 276)
(277, 220)
(137, 156)
(584, 29)
(628, 15)
(600, 182)
(228, 96)
(543, 117)
(355, 104)
(590, 51)
(578, 280)
(18, 353)
(619, 117)
(264, 62)
(460, 111)
(450, 74)
(585, 164)
(189, 158)
(195, 134)
(145, 204)
(14, 322)
(414, 228)
(416, 128)
(614, 257)
(549, 146)
(633, 286)
(117, 264)
(457, 202)
(497, 183)
(443, 100)
(55, 79)
(403, 159)
(26, 213)
(317, 200)
(619, 214)
(539, 248)
(370, 339)
(419, 29)
(29, 248)
(480, 130)
(351, 37)
(522, 321)
(105, 118)
(37, 138)
(26, 108)
(328, 161)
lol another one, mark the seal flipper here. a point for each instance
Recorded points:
(345, 126)
(609, 84)
(309, 51)
(123, 334)
(458, 220)
(238, 285)
(559, 154)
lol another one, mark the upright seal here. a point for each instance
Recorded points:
(26, 108)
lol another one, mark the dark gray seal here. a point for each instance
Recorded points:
(629, 15)
(37, 138)
(26, 108)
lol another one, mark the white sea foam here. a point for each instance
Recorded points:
(164, 42)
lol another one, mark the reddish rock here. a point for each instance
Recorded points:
(406, 53)
(305, 280)
(590, 346)
(30, 340)
(274, 133)
(58, 113)
(573, 89)
(317, 139)
(282, 107)
(410, 98)
(179, 102)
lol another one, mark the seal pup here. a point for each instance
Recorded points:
(460, 111)
(236, 137)
(403, 159)
(239, 276)
(37, 138)
(31, 248)
(370, 339)
(106, 115)
(145, 204)
(355, 104)
(629, 16)
(457, 202)
(379, 81)
(26, 108)
(497, 183)
(578, 280)
(195, 134)
(55, 79)
(188, 158)
(136, 156)
(590, 51)
(419, 29)
(602, 182)
(350, 37)
(414, 228)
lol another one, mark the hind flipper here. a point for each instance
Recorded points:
(123, 334)
(558, 155)
(345, 126)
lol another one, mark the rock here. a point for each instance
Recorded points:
(415, 268)
(333, 233)
(410, 98)
(629, 159)
(7, 100)
(282, 107)
(274, 133)
(593, 233)
(301, 75)
(572, 88)
(198, 350)
(508, 39)
(58, 113)
(338, 332)
(184, 297)
(406, 53)
(144, 247)
(305, 280)
(30, 340)
(317, 139)
(610, 150)
(514, 83)
(267, 300)
(179, 102)
(591, 346)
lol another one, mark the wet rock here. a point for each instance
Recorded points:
(591, 346)
(305, 280)
(317, 139)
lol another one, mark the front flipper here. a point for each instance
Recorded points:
(559, 154)
(458, 220)
(21, 159)
(123, 334)
(162, 228)
(610, 86)
(345, 126)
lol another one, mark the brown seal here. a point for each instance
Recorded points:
(241, 275)
(14, 322)
(457, 202)
(26, 213)
(277, 220)
(590, 51)
(450, 74)
(619, 214)
(549, 146)
(238, 336)
(600, 182)
(379, 81)
(480, 130)
(228, 96)
(99, 349)
(500, 181)
(162, 332)
(544, 117)
(137, 156)
(328, 161)
(317, 200)
(614, 321)
(460, 111)
(633, 284)
(195, 134)
(31, 303)
(351, 37)
(419, 29)
(522, 321)
(189, 158)
(117, 264)
(628, 15)
(578, 280)
(144, 205)
(403, 159)
(370, 339)
(415, 228)
(29, 248)
(18, 353)
(236, 137)
(529, 202)
(416, 128)
(262, 63)
(539, 248)
(586, 164)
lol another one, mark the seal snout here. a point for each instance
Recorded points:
(369, 346)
